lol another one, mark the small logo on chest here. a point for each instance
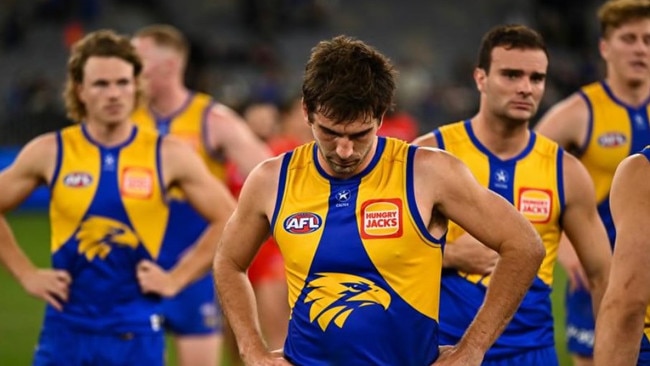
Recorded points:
(536, 204)
(302, 223)
(381, 219)
(137, 183)
(77, 180)
(611, 139)
(640, 122)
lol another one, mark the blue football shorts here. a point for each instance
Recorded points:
(65, 347)
(194, 311)
(579, 322)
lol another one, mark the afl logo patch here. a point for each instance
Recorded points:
(302, 223)
(611, 139)
(77, 180)
(381, 219)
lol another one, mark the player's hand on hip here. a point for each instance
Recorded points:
(51, 285)
(271, 359)
(453, 355)
(154, 280)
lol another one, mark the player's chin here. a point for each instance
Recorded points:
(521, 115)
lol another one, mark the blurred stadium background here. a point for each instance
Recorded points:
(254, 50)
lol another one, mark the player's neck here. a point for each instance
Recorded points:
(633, 94)
(169, 100)
(504, 139)
(109, 134)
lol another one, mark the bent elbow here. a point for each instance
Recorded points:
(538, 251)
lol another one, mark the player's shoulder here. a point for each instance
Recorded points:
(635, 163)
(268, 169)
(570, 163)
(39, 155)
(221, 112)
(43, 145)
(632, 178)
(448, 133)
(435, 163)
(427, 140)
(570, 108)
(264, 179)
(176, 152)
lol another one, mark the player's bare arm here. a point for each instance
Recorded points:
(584, 228)
(566, 123)
(244, 234)
(466, 253)
(229, 133)
(33, 166)
(183, 168)
(491, 219)
(619, 326)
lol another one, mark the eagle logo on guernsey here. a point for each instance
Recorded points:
(334, 296)
(536, 204)
(302, 223)
(381, 218)
(98, 235)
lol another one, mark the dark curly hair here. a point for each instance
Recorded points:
(346, 80)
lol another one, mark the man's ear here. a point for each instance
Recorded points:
(480, 76)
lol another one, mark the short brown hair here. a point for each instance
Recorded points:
(102, 43)
(510, 36)
(345, 80)
(615, 13)
(165, 35)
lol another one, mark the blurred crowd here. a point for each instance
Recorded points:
(247, 65)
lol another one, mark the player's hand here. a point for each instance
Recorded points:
(568, 259)
(453, 355)
(155, 280)
(51, 285)
(275, 358)
(469, 255)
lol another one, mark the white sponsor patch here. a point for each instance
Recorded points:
(381, 218)
(536, 204)
(137, 183)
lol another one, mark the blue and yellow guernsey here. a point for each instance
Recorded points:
(533, 183)
(362, 269)
(615, 131)
(107, 213)
(187, 124)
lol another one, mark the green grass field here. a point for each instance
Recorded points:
(21, 315)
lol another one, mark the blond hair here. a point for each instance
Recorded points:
(615, 13)
(102, 43)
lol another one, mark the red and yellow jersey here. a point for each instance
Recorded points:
(361, 265)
